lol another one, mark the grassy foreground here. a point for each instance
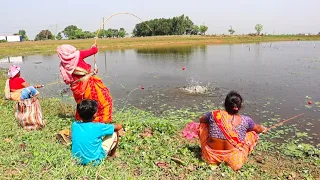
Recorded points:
(49, 47)
(148, 141)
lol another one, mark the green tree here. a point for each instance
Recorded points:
(108, 33)
(187, 23)
(79, 34)
(115, 33)
(258, 28)
(73, 32)
(231, 31)
(195, 30)
(88, 34)
(172, 26)
(70, 32)
(122, 33)
(165, 27)
(59, 36)
(102, 33)
(181, 24)
(44, 35)
(23, 33)
(203, 29)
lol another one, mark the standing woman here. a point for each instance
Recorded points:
(83, 82)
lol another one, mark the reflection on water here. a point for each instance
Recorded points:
(183, 53)
(15, 60)
(187, 50)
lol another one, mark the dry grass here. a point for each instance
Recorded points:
(49, 47)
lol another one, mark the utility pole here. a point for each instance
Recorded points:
(55, 33)
(103, 23)
(102, 28)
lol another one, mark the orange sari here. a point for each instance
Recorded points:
(236, 157)
(90, 86)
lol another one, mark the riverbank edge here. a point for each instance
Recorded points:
(49, 46)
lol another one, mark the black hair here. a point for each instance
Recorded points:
(233, 102)
(18, 74)
(86, 109)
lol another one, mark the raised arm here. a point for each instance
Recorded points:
(88, 52)
(25, 84)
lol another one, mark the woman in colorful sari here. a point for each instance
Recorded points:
(83, 82)
(226, 136)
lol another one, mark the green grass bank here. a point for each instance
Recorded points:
(49, 46)
(148, 139)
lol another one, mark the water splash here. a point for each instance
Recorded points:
(194, 87)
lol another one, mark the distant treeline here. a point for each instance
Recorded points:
(73, 32)
(180, 25)
(173, 26)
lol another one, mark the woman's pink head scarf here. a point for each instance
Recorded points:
(69, 56)
(13, 71)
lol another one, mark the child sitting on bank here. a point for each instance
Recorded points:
(17, 88)
(91, 142)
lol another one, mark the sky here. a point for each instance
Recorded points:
(276, 16)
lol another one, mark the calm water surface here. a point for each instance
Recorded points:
(274, 78)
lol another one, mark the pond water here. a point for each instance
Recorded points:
(276, 79)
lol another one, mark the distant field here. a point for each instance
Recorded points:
(49, 47)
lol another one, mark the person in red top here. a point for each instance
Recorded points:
(83, 82)
(19, 88)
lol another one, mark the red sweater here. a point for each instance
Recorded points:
(16, 83)
(82, 64)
